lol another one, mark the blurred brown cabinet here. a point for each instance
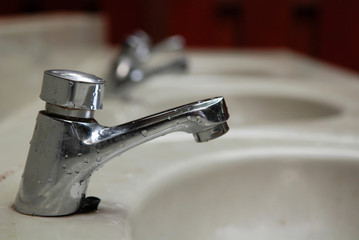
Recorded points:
(339, 33)
(327, 29)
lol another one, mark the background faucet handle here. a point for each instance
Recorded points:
(72, 90)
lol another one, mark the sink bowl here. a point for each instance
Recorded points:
(258, 194)
(261, 109)
(245, 109)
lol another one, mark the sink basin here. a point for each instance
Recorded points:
(249, 109)
(260, 109)
(251, 101)
(257, 194)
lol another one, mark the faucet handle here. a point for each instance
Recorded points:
(72, 92)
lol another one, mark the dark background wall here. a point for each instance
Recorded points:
(325, 29)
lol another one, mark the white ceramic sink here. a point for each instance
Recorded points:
(295, 193)
(247, 109)
(250, 102)
(263, 180)
(287, 169)
(262, 109)
(256, 108)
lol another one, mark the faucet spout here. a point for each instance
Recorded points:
(68, 145)
(206, 120)
(140, 60)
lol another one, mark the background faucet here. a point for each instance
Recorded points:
(140, 60)
(68, 144)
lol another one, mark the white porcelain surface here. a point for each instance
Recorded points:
(277, 193)
(287, 169)
(250, 102)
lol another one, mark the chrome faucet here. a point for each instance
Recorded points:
(132, 64)
(68, 145)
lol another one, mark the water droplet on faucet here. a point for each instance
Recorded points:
(79, 154)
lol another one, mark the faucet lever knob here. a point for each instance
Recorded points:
(72, 90)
